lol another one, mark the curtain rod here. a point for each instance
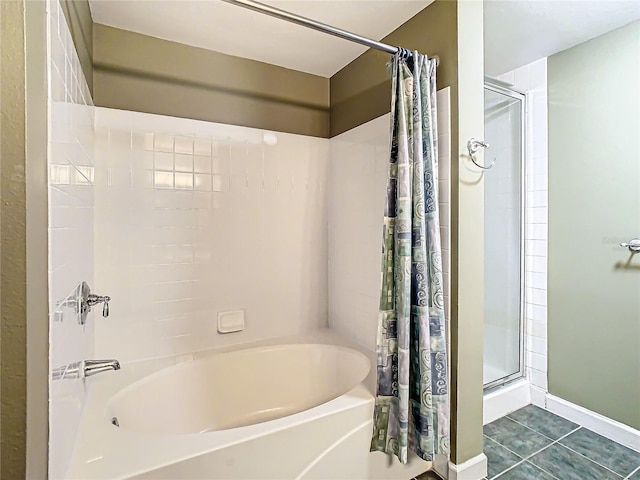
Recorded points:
(315, 25)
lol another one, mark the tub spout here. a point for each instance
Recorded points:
(84, 368)
(92, 367)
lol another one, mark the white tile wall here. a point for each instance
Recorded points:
(357, 186)
(532, 79)
(194, 218)
(70, 160)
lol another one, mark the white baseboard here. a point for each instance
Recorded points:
(505, 400)
(473, 469)
(611, 429)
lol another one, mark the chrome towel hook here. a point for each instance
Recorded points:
(632, 245)
(472, 146)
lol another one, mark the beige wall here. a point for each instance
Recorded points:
(13, 233)
(146, 74)
(24, 332)
(594, 204)
(361, 92)
(80, 23)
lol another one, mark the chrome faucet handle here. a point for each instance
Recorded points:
(95, 299)
(85, 300)
(632, 245)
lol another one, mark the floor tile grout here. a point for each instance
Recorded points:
(524, 459)
(506, 448)
(534, 466)
(633, 472)
(591, 460)
(526, 426)
(552, 443)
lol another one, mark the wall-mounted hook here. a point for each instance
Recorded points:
(473, 146)
(632, 245)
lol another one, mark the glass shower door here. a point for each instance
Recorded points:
(503, 235)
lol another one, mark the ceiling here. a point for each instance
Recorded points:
(517, 32)
(218, 26)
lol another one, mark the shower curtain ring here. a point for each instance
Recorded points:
(473, 146)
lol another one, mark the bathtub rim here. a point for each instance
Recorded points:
(110, 404)
(103, 451)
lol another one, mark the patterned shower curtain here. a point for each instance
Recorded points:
(412, 403)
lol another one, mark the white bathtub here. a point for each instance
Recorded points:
(296, 408)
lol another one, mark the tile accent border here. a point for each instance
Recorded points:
(611, 429)
(473, 469)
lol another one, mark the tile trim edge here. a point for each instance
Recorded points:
(611, 429)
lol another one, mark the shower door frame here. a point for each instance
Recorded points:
(504, 88)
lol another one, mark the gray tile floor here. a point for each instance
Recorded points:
(533, 444)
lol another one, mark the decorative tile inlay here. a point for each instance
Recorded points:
(567, 465)
(543, 422)
(517, 438)
(525, 471)
(612, 455)
(498, 457)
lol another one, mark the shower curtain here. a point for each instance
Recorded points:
(412, 404)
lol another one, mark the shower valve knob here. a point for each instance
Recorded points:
(84, 300)
(95, 299)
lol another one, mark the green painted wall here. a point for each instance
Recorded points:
(361, 91)
(13, 352)
(147, 74)
(594, 204)
(23, 230)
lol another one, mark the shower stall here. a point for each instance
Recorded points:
(504, 234)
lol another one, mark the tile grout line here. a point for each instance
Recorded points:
(564, 418)
(591, 460)
(524, 459)
(506, 448)
(634, 471)
(534, 453)
(522, 462)
(549, 445)
(528, 427)
(508, 469)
